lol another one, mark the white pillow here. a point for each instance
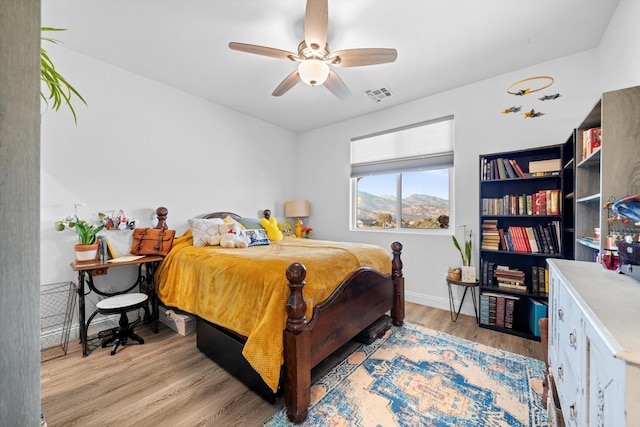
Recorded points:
(202, 229)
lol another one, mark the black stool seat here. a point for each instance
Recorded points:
(122, 304)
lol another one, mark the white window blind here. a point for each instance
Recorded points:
(421, 146)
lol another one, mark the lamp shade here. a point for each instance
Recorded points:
(296, 208)
(313, 71)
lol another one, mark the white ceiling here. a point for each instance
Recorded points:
(442, 44)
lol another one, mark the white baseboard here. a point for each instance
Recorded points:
(442, 303)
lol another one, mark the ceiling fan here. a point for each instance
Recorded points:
(314, 56)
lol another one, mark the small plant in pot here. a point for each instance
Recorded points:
(87, 249)
(466, 273)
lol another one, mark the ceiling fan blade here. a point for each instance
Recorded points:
(290, 81)
(361, 57)
(335, 84)
(316, 22)
(263, 50)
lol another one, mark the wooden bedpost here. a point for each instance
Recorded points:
(297, 357)
(397, 312)
(161, 214)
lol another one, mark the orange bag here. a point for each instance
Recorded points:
(152, 241)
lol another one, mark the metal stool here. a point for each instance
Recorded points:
(122, 304)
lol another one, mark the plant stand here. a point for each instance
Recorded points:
(467, 285)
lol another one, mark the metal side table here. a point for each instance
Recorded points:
(467, 285)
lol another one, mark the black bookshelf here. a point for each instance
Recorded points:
(518, 232)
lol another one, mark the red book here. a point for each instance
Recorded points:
(517, 240)
(541, 203)
(525, 238)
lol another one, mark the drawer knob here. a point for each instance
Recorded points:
(560, 372)
(573, 411)
(560, 313)
(573, 338)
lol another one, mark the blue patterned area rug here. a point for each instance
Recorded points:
(415, 376)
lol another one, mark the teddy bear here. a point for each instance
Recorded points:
(270, 224)
(230, 236)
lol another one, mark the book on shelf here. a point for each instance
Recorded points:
(532, 240)
(498, 309)
(535, 310)
(543, 202)
(503, 242)
(502, 173)
(554, 205)
(511, 173)
(542, 166)
(539, 279)
(538, 238)
(500, 168)
(500, 305)
(512, 286)
(509, 310)
(591, 140)
(517, 168)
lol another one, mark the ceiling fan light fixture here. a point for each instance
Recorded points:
(313, 72)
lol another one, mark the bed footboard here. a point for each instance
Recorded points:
(361, 299)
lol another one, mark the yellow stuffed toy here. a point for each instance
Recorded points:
(270, 224)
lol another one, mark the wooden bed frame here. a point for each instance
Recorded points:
(363, 297)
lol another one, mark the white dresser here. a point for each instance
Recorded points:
(594, 344)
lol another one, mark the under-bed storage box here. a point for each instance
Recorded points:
(177, 320)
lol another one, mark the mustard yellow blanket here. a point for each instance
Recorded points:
(246, 290)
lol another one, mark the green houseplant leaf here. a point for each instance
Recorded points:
(468, 249)
(59, 89)
(86, 232)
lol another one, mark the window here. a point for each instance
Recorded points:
(401, 178)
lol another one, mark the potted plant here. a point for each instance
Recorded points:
(87, 249)
(467, 273)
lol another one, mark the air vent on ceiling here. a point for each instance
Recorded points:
(377, 95)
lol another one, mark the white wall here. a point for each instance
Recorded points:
(619, 52)
(139, 145)
(479, 129)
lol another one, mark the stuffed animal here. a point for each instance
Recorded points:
(271, 225)
(231, 236)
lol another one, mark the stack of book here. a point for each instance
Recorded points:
(511, 279)
(490, 235)
(497, 309)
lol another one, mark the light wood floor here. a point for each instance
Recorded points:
(168, 382)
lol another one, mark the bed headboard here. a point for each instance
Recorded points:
(220, 215)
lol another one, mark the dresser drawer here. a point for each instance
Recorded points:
(569, 353)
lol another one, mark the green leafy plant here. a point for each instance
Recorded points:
(85, 231)
(60, 91)
(466, 255)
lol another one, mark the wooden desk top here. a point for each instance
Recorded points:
(101, 265)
